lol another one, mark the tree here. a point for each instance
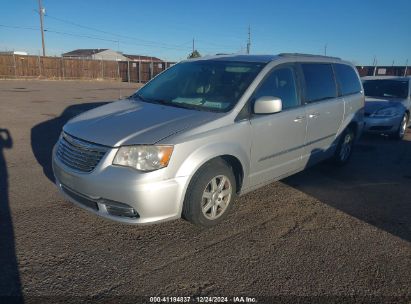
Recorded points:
(194, 54)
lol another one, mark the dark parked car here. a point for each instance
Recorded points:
(387, 105)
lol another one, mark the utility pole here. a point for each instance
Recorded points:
(41, 13)
(249, 40)
(325, 49)
(193, 47)
(406, 68)
(375, 66)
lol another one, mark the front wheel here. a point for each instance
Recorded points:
(401, 128)
(344, 147)
(210, 194)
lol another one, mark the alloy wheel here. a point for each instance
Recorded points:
(403, 126)
(346, 146)
(216, 197)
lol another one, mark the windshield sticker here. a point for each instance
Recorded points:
(216, 105)
(191, 101)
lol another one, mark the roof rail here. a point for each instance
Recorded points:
(306, 55)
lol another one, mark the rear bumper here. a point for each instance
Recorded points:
(153, 201)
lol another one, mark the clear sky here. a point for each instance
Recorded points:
(356, 30)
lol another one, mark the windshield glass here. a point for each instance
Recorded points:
(386, 88)
(201, 85)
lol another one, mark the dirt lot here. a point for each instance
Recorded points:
(325, 234)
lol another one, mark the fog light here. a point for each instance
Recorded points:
(120, 209)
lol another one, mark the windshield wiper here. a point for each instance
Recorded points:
(172, 104)
(136, 95)
(160, 101)
(193, 107)
(150, 100)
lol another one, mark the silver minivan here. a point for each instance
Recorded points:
(206, 131)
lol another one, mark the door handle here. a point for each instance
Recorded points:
(299, 118)
(314, 115)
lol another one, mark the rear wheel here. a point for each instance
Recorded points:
(210, 194)
(344, 147)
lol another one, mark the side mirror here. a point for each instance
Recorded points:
(268, 105)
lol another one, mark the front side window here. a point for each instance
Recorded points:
(319, 81)
(280, 83)
(347, 79)
(201, 85)
(386, 88)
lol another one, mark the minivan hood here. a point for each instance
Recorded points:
(373, 104)
(129, 122)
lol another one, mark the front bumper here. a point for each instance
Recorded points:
(382, 125)
(154, 200)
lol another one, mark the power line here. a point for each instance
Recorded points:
(105, 39)
(92, 37)
(154, 43)
(20, 27)
(146, 42)
(214, 44)
(112, 40)
(79, 35)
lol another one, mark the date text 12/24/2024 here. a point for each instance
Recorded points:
(203, 299)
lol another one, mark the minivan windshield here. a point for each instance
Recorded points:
(201, 85)
(386, 88)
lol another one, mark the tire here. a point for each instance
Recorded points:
(210, 194)
(344, 148)
(399, 134)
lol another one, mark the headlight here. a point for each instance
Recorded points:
(144, 158)
(387, 112)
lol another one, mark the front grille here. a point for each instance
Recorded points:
(112, 207)
(79, 154)
(381, 128)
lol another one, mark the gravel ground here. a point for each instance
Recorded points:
(326, 234)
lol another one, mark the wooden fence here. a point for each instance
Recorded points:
(384, 71)
(134, 71)
(18, 66)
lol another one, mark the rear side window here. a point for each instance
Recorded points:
(347, 79)
(280, 83)
(319, 81)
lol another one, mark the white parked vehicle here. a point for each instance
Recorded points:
(206, 130)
